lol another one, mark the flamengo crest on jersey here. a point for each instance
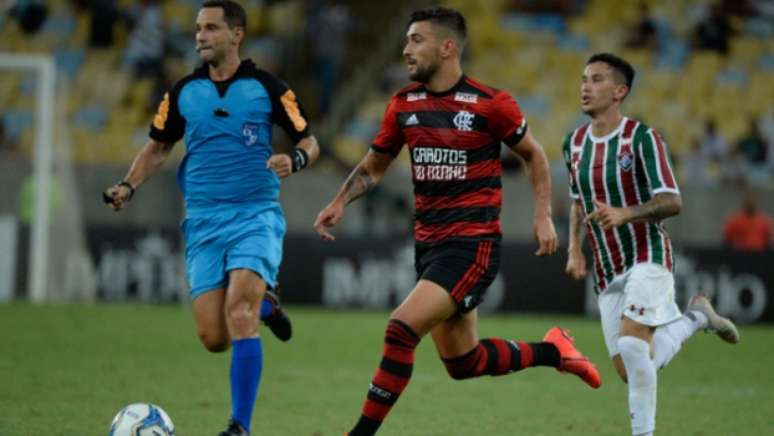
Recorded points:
(464, 121)
(626, 168)
(454, 142)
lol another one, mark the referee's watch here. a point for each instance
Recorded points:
(128, 186)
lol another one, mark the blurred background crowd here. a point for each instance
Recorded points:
(705, 82)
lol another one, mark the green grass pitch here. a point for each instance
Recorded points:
(66, 370)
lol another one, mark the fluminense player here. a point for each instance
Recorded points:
(623, 187)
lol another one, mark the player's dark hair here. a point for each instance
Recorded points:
(233, 13)
(446, 17)
(622, 69)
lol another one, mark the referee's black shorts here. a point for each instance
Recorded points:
(465, 268)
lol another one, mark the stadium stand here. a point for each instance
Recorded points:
(538, 56)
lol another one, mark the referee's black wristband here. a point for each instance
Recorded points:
(129, 186)
(300, 159)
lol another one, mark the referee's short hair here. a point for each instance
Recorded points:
(449, 18)
(233, 13)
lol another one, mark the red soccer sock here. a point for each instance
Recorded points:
(390, 379)
(498, 356)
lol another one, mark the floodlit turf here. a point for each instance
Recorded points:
(66, 370)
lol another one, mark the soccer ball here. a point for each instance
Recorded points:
(142, 419)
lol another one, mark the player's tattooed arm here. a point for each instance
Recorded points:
(365, 176)
(659, 207)
(357, 184)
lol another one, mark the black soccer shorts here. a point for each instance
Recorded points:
(465, 268)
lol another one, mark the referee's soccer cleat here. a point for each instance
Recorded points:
(278, 321)
(723, 327)
(234, 429)
(571, 359)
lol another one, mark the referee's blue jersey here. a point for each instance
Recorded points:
(228, 135)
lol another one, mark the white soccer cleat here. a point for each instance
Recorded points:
(717, 324)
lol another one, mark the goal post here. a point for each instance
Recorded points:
(59, 267)
(44, 68)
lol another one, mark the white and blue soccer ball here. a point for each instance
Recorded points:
(142, 419)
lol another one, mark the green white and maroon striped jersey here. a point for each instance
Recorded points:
(625, 168)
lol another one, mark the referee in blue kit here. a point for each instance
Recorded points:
(234, 225)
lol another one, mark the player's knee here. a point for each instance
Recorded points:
(456, 372)
(400, 334)
(241, 318)
(214, 342)
(630, 348)
(465, 366)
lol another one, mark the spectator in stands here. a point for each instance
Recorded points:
(104, 15)
(749, 229)
(694, 169)
(711, 143)
(145, 49)
(706, 163)
(753, 146)
(5, 140)
(739, 8)
(714, 32)
(31, 14)
(330, 25)
(643, 33)
(561, 7)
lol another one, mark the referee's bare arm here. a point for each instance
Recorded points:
(282, 163)
(311, 147)
(145, 165)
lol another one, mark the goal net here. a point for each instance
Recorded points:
(40, 211)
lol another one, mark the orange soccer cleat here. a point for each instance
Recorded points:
(571, 359)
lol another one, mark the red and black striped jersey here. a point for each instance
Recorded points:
(454, 141)
(625, 168)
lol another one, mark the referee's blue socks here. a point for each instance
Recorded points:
(267, 308)
(246, 365)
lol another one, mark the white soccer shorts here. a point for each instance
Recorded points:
(645, 294)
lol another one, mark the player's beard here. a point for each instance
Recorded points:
(423, 75)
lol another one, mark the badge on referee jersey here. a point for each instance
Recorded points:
(250, 134)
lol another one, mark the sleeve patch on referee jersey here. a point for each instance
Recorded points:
(291, 108)
(162, 113)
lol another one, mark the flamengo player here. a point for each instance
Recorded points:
(453, 126)
(621, 180)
